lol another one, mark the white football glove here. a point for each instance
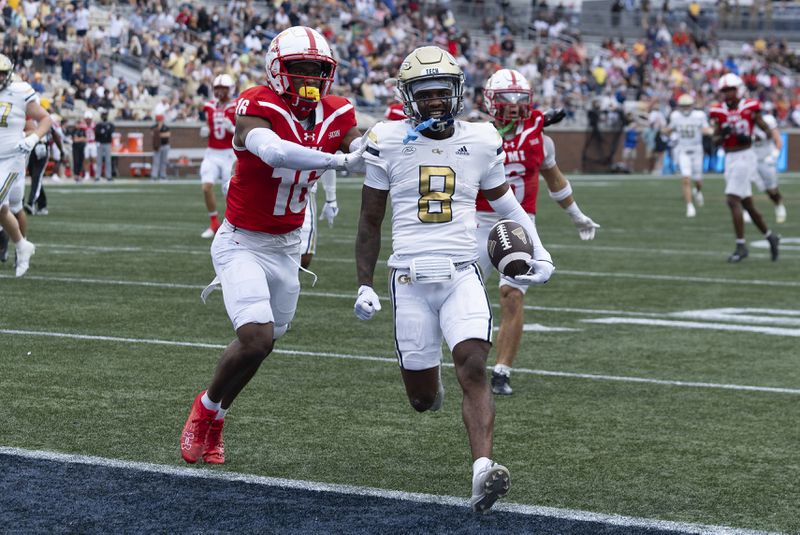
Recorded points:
(204, 131)
(539, 273)
(329, 212)
(40, 150)
(367, 303)
(228, 125)
(27, 144)
(772, 157)
(586, 227)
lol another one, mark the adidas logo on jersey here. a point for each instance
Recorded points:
(462, 151)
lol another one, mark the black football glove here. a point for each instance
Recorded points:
(725, 131)
(554, 116)
(743, 139)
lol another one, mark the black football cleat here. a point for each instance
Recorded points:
(773, 240)
(739, 254)
(501, 384)
(3, 246)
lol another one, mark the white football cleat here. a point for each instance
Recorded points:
(780, 213)
(690, 211)
(25, 250)
(698, 198)
(488, 486)
(207, 233)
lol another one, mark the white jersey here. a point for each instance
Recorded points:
(689, 129)
(433, 185)
(762, 143)
(13, 101)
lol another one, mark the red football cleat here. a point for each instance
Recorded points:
(195, 431)
(215, 447)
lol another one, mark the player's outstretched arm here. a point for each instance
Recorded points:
(368, 247)
(505, 204)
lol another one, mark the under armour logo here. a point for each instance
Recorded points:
(308, 136)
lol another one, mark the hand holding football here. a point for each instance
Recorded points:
(509, 248)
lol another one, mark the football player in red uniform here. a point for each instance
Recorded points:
(395, 112)
(286, 134)
(508, 100)
(217, 165)
(733, 121)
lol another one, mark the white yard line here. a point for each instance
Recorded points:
(532, 510)
(776, 331)
(286, 351)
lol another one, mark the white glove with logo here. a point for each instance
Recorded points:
(586, 227)
(352, 162)
(27, 144)
(367, 303)
(541, 268)
(772, 157)
(329, 212)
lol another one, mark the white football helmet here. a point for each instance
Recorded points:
(430, 67)
(223, 80)
(508, 96)
(731, 80)
(6, 71)
(686, 103)
(300, 43)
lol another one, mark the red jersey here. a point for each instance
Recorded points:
(220, 134)
(395, 112)
(524, 157)
(264, 199)
(88, 129)
(740, 119)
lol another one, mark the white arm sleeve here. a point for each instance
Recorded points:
(549, 153)
(277, 152)
(328, 180)
(507, 207)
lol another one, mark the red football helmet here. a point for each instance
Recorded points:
(300, 44)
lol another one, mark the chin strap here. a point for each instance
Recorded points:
(435, 124)
(503, 130)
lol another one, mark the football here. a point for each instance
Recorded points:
(509, 248)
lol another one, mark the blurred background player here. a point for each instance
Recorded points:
(218, 161)
(308, 234)
(17, 100)
(631, 141)
(161, 146)
(286, 135)
(90, 149)
(688, 125)
(37, 163)
(509, 102)
(733, 121)
(436, 287)
(768, 149)
(58, 149)
(104, 134)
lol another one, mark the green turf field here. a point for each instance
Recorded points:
(634, 394)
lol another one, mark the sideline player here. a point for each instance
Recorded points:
(733, 120)
(509, 100)
(308, 233)
(767, 151)
(433, 166)
(689, 125)
(217, 165)
(286, 135)
(90, 150)
(17, 100)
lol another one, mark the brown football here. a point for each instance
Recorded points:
(509, 248)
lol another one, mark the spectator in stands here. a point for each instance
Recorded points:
(151, 79)
(104, 131)
(161, 146)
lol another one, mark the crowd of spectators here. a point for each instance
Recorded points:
(69, 49)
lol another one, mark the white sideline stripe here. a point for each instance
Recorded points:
(545, 373)
(776, 331)
(251, 479)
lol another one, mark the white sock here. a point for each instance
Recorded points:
(480, 464)
(221, 414)
(502, 369)
(208, 404)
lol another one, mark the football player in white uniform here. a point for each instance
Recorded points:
(508, 99)
(689, 125)
(17, 99)
(433, 166)
(308, 233)
(767, 153)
